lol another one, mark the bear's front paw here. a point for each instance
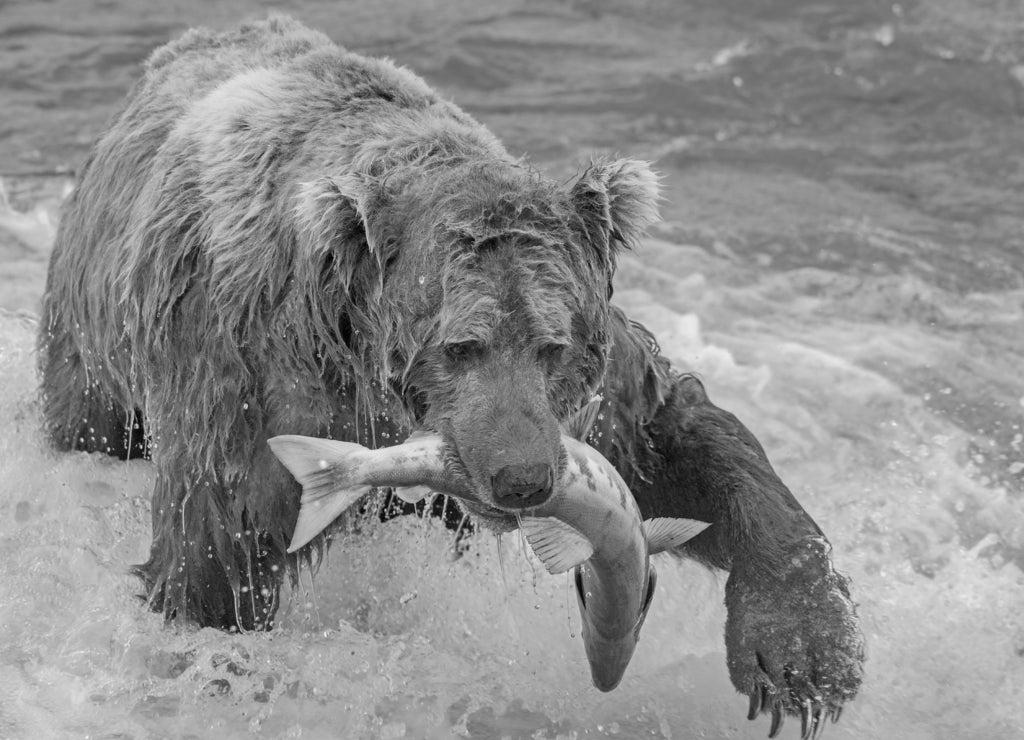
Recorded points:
(793, 639)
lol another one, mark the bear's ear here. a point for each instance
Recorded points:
(618, 199)
(330, 210)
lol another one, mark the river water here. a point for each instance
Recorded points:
(842, 260)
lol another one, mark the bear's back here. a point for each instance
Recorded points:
(224, 127)
(205, 183)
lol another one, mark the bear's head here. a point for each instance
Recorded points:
(478, 293)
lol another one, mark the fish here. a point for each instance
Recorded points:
(591, 524)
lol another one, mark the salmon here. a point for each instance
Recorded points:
(591, 523)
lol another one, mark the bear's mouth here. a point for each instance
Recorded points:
(484, 503)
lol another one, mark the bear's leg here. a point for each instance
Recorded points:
(792, 635)
(78, 412)
(217, 558)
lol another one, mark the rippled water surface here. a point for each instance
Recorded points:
(841, 260)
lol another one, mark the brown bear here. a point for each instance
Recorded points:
(277, 236)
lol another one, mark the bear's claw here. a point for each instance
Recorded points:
(756, 700)
(813, 713)
(793, 640)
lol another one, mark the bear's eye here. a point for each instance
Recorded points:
(463, 351)
(551, 354)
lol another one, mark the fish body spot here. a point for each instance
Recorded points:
(588, 475)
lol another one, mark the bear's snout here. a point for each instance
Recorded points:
(522, 486)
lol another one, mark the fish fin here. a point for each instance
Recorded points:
(321, 507)
(319, 465)
(579, 424)
(411, 494)
(581, 597)
(652, 586)
(559, 546)
(668, 533)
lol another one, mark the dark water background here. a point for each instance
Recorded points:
(842, 259)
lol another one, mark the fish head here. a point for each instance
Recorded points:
(609, 654)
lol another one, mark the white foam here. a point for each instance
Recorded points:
(399, 638)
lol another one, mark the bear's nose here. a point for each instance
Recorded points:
(523, 485)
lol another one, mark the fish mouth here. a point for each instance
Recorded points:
(609, 677)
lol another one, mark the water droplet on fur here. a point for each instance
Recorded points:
(422, 279)
(323, 464)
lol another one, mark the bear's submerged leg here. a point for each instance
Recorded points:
(793, 641)
(206, 564)
(218, 557)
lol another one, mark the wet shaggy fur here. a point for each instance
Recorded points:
(278, 236)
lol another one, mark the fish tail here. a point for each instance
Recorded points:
(318, 464)
(327, 470)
